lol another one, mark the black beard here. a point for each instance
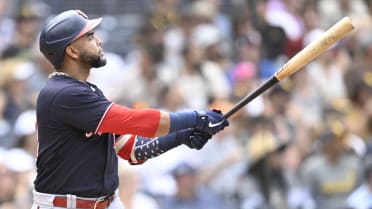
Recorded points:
(93, 61)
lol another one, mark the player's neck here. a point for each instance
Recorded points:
(80, 73)
(60, 73)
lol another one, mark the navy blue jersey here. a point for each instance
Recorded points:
(71, 158)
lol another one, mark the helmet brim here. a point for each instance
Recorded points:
(93, 23)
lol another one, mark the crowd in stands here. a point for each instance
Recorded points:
(306, 143)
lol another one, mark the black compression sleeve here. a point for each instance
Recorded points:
(146, 148)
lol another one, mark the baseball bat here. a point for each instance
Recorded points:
(335, 33)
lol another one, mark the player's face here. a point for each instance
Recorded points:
(92, 53)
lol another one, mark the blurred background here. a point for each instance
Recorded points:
(304, 144)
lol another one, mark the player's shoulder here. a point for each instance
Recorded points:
(64, 87)
(65, 84)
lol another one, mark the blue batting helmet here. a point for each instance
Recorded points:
(60, 31)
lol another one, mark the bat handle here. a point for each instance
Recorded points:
(263, 87)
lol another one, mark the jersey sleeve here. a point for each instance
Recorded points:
(122, 120)
(80, 107)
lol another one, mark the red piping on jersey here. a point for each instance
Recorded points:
(104, 114)
(122, 120)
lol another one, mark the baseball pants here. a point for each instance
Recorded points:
(45, 201)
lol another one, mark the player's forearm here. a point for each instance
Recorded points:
(146, 148)
(137, 149)
(175, 121)
(182, 120)
(164, 124)
(170, 122)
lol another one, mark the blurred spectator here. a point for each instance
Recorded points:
(110, 76)
(333, 10)
(37, 73)
(18, 172)
(189, 194)
(264, 185)
(362, 196)
(359, 113)
(193, 86)
(172, 21)
(21, 158)
(247, 56)
(222, 164)
(287, 15)
(164, 14)
(151, 45)
(307, 100)
(208, 40)
(13, 80)
(293, 157)
(333, 173)
(363, 22)
(5, 126)
(8, 184)
(279, 109)
(144, 76)
(25, 132)
(162, 183)
(209, 12)
(129, 189)
(273, 41)
(6, 25)
(244, 79)
(247, 40)
(311, 19)
(42, 69)
(327, 73)
(171, 98)
(27, 27)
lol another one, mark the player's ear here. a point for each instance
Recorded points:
(72, 51)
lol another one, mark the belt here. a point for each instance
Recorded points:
(87, 204)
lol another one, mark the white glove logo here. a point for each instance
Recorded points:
(211, 125)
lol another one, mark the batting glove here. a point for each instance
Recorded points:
(193, 138)
(211, 121)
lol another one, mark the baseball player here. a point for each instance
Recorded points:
(81, 133)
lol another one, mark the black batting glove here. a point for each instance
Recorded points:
(211, 121)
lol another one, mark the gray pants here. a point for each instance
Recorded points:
(45, 201)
